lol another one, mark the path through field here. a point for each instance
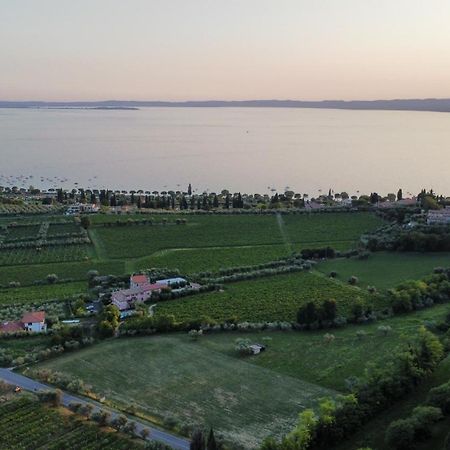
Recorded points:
(284, 233)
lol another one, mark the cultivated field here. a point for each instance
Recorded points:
(244, 398)
(386, 270)
(266, 299)
(40, 294)
(173, 376)
(230, 233)
(26, 424)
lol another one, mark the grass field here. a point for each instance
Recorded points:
(245, 398)
(266, 299)
(27, 274)
(36, 294)
(386, 270)
(177, 377)
(308, 357)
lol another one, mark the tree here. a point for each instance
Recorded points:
(447, 442)
(440, 397)
(189, 189)
(307, 314)
(329, 310)
(400, 434)
(85, 222)
(52, 278)
(197, 441)
(211, 443)
(399, 195)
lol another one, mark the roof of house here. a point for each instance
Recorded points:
(171, 280)
(33, 317)
(139, 278)
(10, 327)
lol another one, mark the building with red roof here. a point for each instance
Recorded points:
(33, 321)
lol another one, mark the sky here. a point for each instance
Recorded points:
(224, 49)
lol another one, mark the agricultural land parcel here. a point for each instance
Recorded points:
(205, 381)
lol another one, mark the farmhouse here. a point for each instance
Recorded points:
(439, 217)
(31, 321)
(125, 298)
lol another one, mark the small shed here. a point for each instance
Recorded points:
(257, 348)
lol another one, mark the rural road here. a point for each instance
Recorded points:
(34, 386)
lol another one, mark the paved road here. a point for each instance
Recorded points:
(34, 386)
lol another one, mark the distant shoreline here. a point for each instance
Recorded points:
(429, 105)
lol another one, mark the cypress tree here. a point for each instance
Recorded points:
(211, 443)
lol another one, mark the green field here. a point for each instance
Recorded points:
(24, 345)
(232, 231)
(174, 376)
(27, 274)
(386, 270)
(266, 299)
(318, 230)
(40, 294)
(306, 355)
(192, 260)
(245, 398)
(26, 424)
(54, 254)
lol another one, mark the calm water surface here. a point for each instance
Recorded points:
(245, 149)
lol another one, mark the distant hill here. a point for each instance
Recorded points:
(430, 104)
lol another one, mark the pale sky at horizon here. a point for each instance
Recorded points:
(229, 49)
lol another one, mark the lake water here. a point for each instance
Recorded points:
(246, 149)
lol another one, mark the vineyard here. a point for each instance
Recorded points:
(385, 270)
(136, 241)
(41, 294)
(29, 274)
(211, 259)
(27, 425)
(267, 299)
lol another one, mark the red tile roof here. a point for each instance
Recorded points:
(139, 279)
(33, 317)
(10, 327)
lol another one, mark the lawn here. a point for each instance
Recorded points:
(266, 299)
(385, 270)
(174, 376)
(36, 294)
